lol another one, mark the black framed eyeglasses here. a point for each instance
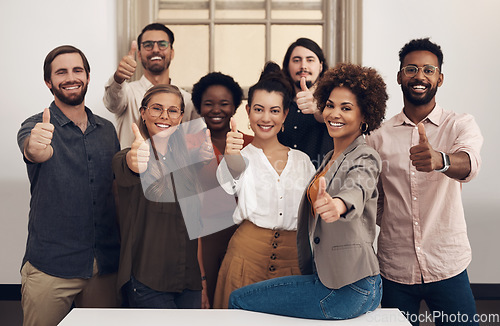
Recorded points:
(149, 45)
(156, 110)
(412, 71)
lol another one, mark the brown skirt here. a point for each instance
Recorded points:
(255, 254)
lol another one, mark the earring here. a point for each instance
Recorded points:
(363, 127)
(249, 126)
(283, 127)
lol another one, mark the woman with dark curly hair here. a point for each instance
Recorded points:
(336, 224)
(216, 97)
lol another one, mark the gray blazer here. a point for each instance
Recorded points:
(342, 251)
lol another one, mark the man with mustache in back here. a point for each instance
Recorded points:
(304, 64)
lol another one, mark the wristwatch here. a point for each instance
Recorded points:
(446, 163)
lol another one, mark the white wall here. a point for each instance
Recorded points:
(468, 34)
(466, 30)
(29, 30)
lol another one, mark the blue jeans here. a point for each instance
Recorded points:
(305, 296)
(450, 301)
(138, 295)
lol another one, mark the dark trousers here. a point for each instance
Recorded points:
(450, 301)
(138, 295)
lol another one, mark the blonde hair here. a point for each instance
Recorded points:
(161, 88)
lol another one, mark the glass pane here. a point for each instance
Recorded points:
(183, 9)
(294, 9)
(241, 118)
(191, 54)
(240, 52)
(240, 9)
(284, 35)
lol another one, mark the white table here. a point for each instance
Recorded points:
(199, 317)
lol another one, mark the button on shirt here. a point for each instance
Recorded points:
(72, 211)
(265, 198)
(423, 233)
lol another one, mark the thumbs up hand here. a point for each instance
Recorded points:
(126, 67)
(38, 148)
(328, 208)
(207, 149)
(423, 156)
(234, 139)
(305, 99)
(138, 156)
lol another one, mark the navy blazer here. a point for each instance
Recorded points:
(343, 251)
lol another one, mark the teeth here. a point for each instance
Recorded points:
(265, 127)
(336, 124)
(419, 87)
(155, 58)
(71, 88)
(216, 119)
(162, 125)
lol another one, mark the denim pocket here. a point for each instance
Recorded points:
(351, 300)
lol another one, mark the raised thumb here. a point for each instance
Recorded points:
(136, 132)
(321, 188)
(46, 116)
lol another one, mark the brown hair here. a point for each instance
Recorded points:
(364, 82)
(47, 64)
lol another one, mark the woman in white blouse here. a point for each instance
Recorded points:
(269, 180)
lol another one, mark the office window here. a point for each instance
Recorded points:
(237, 37)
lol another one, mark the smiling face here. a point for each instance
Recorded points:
(304, 63)
(68, 79)
(266, 114)
(155, 60)
(420, 89)
(217, 107)
(162, 125)
(342, 115)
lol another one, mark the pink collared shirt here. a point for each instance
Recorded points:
(423, 235)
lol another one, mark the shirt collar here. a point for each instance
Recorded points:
(62, 119)
(434, 117)
(145, 82)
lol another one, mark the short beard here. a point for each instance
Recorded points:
(72, 101)
(418, 101)
(154, 68)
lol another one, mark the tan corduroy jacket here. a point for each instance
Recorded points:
(343, 250)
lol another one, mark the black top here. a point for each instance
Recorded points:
(305, 133)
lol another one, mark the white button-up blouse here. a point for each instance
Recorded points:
(265, 198)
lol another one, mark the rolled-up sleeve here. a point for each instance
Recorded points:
(469, 140)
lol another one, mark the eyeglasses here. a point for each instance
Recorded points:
(155, 111)
(412, 71)
(149, 45)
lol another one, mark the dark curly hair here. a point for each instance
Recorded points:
(364, 82)
(421, 44)
(216, 78)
